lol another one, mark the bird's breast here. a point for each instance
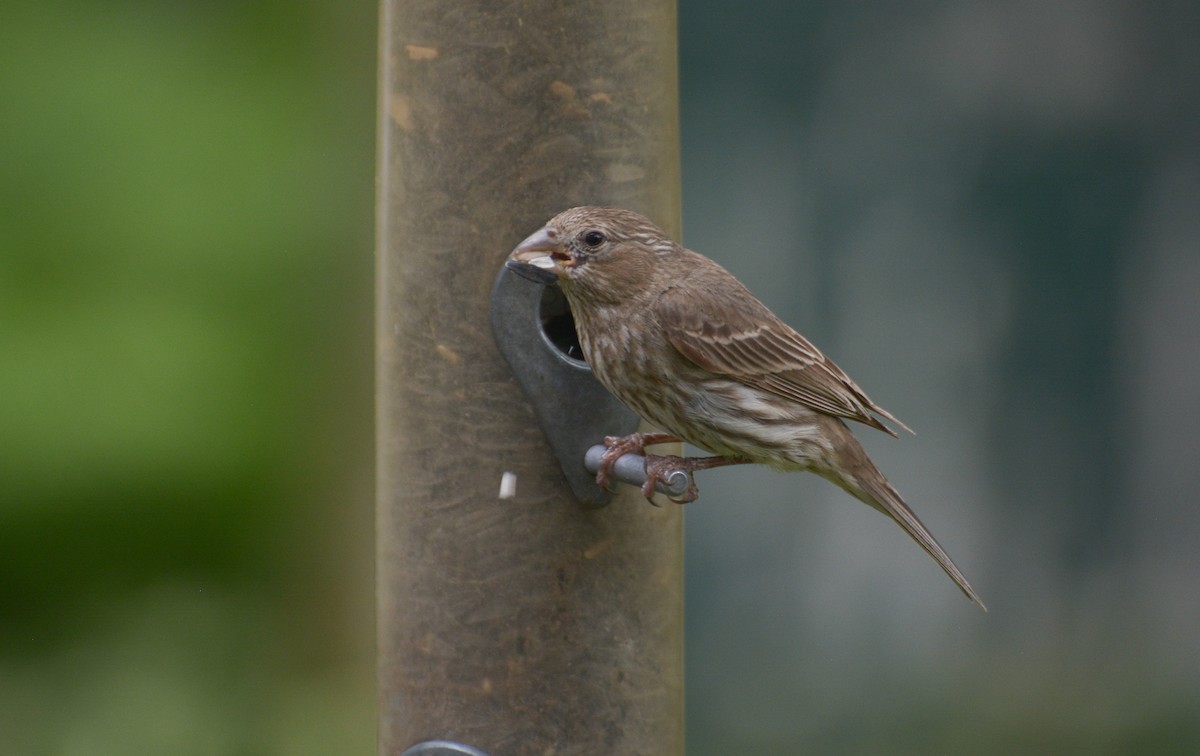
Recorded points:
(632, 358)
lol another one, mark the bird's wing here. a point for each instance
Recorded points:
(721, 327)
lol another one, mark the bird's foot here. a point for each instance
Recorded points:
(616, 447)
(659, 468)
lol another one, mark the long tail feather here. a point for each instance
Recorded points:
(875, 490)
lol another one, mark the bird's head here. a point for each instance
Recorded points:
(599, 253)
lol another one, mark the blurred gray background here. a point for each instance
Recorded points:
(988, 214)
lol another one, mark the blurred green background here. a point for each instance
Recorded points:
(186, 395)
(986, 214)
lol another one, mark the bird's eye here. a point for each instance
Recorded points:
(593, 239)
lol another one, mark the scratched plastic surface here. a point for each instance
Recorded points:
(529, 624)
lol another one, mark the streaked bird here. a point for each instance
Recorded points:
(685, 345)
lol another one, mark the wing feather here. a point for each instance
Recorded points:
(732, 333)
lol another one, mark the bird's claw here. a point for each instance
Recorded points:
(659, 468)
(616, 447)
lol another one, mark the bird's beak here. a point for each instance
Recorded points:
(541, 258)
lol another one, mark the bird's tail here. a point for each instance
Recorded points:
(869, 485)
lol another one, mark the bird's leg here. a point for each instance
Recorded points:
(616, 447)
(659, 468)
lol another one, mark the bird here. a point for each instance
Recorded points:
(685, 345)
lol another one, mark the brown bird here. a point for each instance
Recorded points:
(685, 345)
